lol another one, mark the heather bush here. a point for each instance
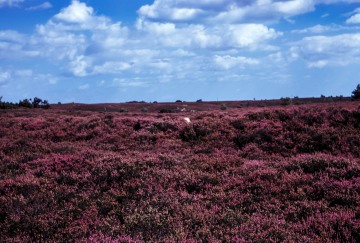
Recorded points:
(281, 174)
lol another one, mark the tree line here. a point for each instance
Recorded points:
(27, 103)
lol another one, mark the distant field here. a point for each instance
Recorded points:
(237, 172)
(175, 107)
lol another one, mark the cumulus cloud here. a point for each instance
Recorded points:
(77, 12)
(8, 75)
(322, 51)
(219, 36)
(228, 62)
(13, 45)
(79, 39)
(354, 19)
(11, 36)
(229, 11)
(262, 10)
(81, 43)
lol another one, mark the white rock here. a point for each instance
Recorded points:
(187, 119)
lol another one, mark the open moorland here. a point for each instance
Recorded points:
(212, 172)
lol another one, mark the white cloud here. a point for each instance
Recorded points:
(80, 43)
(77, 12)
(80, 66)
(321, 29)
(4, 77)
(43, 6)
(317, 29)
(228, 11)
(13, 46)
(228, 62)
(355, 19)
(79, 40)
(16, 76)
(251, 36)
(10, 3)
(119, 82)
(322, 51)
(11, 35)
(112, 67)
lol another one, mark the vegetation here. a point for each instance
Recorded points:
(6, 105)
(223, 107)
(252, 174)
(356, 93)
(27, 103)
(285, 101)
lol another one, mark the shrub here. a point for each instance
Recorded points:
(223, 107)
(6, 105)
(356, 93)
(25, 103)
(166, 110)
(285, 101)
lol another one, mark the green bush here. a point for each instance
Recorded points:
(356, 93)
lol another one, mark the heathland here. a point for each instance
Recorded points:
(178, 172)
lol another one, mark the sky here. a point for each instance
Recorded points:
(106, 51)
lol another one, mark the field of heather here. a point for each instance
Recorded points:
(266, 174)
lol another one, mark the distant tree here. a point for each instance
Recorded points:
(356, 93)
(200, 100)
(7, 105)
(36, 102)
(25, 103)
(178, 101)
(45, 104)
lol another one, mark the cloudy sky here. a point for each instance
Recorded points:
(122, 50)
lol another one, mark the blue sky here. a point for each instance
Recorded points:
(163, 50)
